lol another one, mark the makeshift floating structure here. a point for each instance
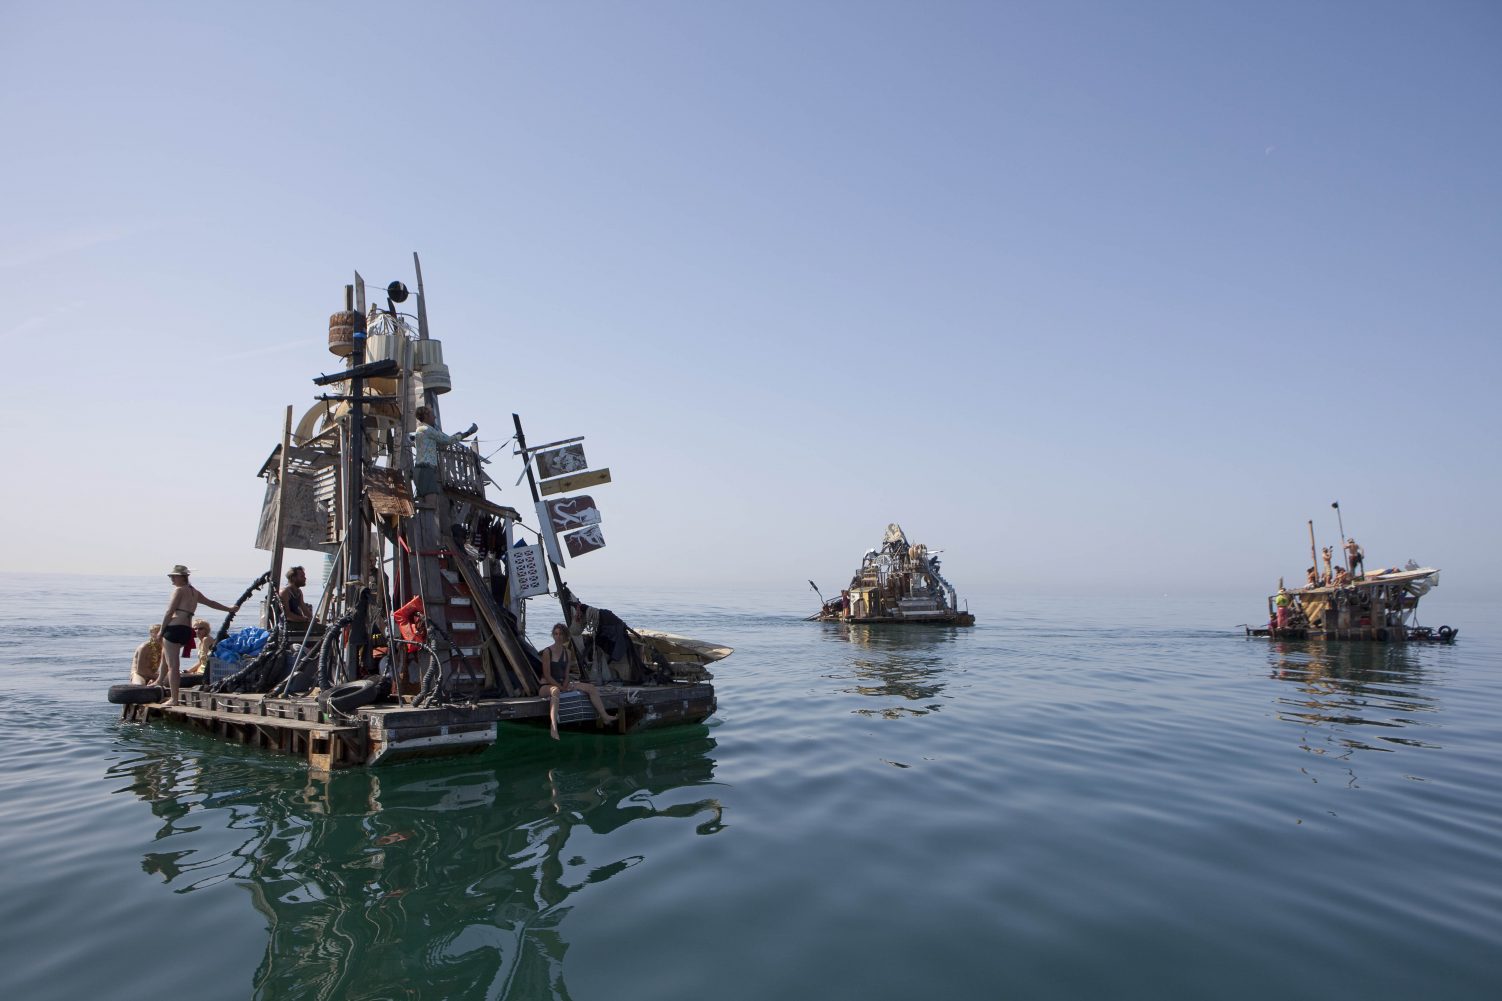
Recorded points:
(418, 644)
(1349, 602)
(897, 583)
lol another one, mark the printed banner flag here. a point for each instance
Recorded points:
(567, 513)
(586, 540)
(561, 461)
(546, 533)
(528, 575)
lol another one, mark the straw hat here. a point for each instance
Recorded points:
(178, 571)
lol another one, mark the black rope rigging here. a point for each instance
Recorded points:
(255, 586)
(331, 636)
(260, 673)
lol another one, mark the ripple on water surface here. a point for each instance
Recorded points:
(1060, 802)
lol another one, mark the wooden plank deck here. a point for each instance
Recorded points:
(390, 732)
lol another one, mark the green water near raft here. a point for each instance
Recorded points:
(1071, 799)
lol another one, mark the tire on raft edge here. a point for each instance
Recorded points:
(136, 695)
(348, 697)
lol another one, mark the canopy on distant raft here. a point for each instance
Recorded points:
(1415, 580)
(1393, 574)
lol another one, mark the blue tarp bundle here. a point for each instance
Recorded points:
(245, 642)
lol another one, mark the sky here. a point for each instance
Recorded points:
(1092, 296)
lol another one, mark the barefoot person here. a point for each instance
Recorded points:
(559, 657)
(177, 626)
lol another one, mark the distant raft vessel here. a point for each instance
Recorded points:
(899, 584)
(1352, 603)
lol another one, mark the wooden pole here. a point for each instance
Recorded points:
(521, 445)
(1313, 552)
(422, 301)
(429, 398)
(281, 502)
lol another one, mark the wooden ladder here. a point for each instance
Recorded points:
(457, 637)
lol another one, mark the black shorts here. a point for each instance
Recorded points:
(178, 634)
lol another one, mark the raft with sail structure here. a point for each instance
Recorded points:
(897, 584)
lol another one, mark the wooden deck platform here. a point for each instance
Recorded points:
(390, 732)
(932, 619)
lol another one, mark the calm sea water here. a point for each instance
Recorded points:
(1076, 799)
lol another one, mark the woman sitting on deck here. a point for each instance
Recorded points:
(560, 656)
(203, 639)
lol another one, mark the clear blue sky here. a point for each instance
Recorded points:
(1089, 295)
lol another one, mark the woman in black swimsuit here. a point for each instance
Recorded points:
(559, 657)
(177, 626)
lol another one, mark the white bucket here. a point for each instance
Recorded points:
(435, 378)
(427, 353)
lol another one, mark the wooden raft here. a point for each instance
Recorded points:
(389, 732)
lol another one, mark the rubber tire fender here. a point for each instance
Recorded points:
(349, 697)
(136, 695)
(1445, 634)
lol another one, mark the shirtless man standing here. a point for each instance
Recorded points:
(177, 625)
(1355, 558)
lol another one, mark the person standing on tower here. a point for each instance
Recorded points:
(1355, 558)
(427, 440)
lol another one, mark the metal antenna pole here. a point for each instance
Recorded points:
(521, 444)
(1341, 523)
(1313, 551)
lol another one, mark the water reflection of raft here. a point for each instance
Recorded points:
(897, 584)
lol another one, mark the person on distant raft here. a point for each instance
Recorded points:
(296, 609)
(1355, 558)
(1329, 577)
(427, 439)
(177, 628)
(1312, 575)
(557, 658)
